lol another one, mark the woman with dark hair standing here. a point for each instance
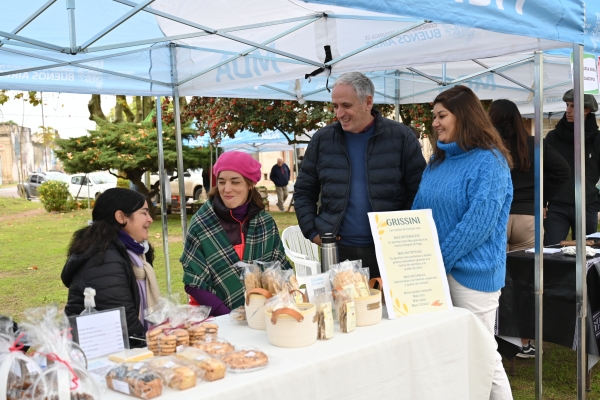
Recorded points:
(467, 186)
(508, 121)
(231, 226)
(113, 257)
(520, 231)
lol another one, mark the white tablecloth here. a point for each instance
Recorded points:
(446, 355)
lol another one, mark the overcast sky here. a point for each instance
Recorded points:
(65, 112)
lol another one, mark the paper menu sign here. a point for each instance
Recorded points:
(100, 333)
(317, 284)
(410, 262)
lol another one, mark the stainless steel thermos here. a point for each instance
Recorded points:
(329, 251)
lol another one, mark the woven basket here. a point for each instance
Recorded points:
(368, 309)
(255, 304)
(289, 328)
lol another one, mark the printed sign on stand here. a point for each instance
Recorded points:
(590, 73)
(101, 333)
(410, 262)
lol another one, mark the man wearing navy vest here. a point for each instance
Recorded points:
(363, 162)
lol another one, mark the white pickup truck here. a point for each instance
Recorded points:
(192, 179)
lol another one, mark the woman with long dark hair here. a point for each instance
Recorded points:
(113, 257)
(231, 226)
(508, 121)
(468, 188)
(520, 231)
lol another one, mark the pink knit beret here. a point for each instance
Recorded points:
(239, 162)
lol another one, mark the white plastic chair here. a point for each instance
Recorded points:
(302, 252)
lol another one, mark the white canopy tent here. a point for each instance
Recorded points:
(177, 47)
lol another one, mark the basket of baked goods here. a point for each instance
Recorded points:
(290, 324)
(262, 281)
(349, 276)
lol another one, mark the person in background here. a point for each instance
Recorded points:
(560, 213)
(361, 163)
(280, 175)
(520, 231)
(113, 257)
(231, 226)
(468, 188)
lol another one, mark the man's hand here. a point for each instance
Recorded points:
(545, 211)
(317, 240)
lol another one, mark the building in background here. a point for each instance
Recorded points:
(16, 142)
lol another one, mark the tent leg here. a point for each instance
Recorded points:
(180, 170)
(580, 263)
(397, 97)
(163, 192)
(538, 105)
(210, 175)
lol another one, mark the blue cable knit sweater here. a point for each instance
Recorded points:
(470, 194)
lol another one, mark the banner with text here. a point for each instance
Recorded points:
(410, 262)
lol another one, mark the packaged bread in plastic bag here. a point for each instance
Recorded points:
(349, 275)
(66, 376)
(209, 368)
(346, 311)
(324, 305)
(175, 373)
(17, 371)
(135, 379)
(249, 275)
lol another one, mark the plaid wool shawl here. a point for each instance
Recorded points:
(208, 256)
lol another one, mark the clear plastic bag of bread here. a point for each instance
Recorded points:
(272, 278)
(351, 276)
(175, 372)
(66, 376)
(135, 379)
(17, 371)
(344, 305)
(238, 316)
(282, 299)
(208, 368)
(324, 305)
(249, 275)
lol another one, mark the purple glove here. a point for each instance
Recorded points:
(206, 298)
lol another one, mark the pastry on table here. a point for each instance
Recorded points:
(211, 368)
(245, 360)
(216, 347)
(134, 379)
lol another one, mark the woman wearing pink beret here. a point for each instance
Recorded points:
(231, 226)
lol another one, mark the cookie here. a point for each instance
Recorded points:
(152, 334)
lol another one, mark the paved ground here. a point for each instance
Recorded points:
(273, 202)
(11, 191)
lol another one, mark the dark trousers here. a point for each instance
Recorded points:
(366, 254)
(560, 218)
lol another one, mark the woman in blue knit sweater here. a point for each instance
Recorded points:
(467, 186)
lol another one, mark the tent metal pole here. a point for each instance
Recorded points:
(580, 263)
(163, 192)
(538, 104)
(295, 162)
(72, 35)
(397, 97)
(210, 174)
(444, 76)
(180, 170)
(31, 18)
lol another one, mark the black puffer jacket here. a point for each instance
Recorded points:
(562, 139)
(111, 274)
(394, 168)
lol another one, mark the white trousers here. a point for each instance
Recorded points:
(483, 305)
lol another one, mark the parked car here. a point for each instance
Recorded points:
(35, 179)
(192, 180)
(97, 182)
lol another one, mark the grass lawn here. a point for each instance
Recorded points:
(33, 246)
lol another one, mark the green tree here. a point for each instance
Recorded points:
(47, 135)
(224, 117)
(130, 148)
